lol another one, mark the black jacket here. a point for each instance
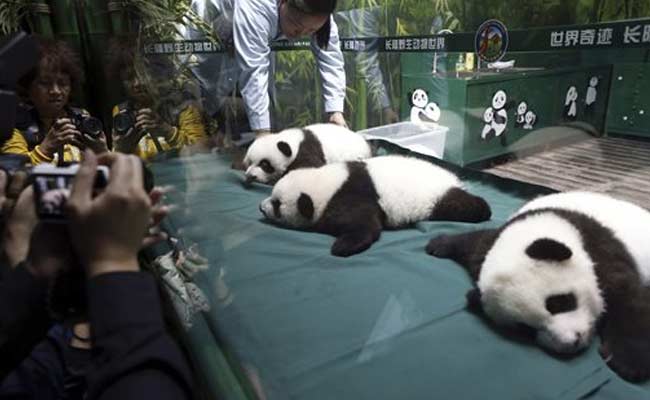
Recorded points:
(132, 357)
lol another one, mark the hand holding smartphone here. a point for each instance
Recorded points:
(52, 186)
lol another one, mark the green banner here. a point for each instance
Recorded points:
(623, 34)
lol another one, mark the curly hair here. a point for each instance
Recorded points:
(54, 56)
(123, 55)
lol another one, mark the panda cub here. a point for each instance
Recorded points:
(271, 156)
(355, 200)
(566, 265)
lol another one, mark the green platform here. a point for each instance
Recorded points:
(629, 107)
(389, 323)
(464, 97)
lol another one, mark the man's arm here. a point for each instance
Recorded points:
(135, 357)
(332, 72)
(252, 25)
(23, 317)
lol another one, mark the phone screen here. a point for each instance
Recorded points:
(51, 193)
(52, 190)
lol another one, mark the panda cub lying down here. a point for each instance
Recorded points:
(271, 156)
(355, 200)
(561, 265)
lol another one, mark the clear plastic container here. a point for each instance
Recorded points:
(424, 138)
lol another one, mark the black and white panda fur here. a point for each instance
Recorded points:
(271, 156)
(562, 264)
(355, 200)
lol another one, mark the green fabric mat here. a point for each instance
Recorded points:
(389, 323)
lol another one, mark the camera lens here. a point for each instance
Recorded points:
(91, 126)
(122, 122)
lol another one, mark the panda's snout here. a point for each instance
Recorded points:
(265, 208)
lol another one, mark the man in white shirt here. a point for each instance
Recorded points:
(249, 26)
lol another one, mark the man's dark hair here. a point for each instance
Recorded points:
(318, 7)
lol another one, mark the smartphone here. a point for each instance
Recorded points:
(52, 186)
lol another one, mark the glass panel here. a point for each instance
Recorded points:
(268, 312)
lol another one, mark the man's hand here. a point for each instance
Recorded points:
(19, 227)
(337, 118)
(261, 132)
(159, 212)
(108, 230)
(49, 251)
(390, 116)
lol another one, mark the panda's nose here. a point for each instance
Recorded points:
(262, 210)
(577, 342)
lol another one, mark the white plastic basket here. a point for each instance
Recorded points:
(424, 138)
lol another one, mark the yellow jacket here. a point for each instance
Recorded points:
(18, 145)
(189, 130)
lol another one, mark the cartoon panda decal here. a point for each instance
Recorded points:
(422, 110)
(488, 130)
(530, 120)
(592, 94)
(496, 116)
(520, 120)
(570, 103)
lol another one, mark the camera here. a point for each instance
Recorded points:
(52, 187)
(85, 123)
(123, 121)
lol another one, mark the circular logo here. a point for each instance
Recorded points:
(491, 41)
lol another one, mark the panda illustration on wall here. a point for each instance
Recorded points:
(271, 156)
(354, 201)
(488, 130)
(422, 110)
(500, 121)
(520, 120)
(570, 103)
(564, 266)
(592, 93)
(495, 116)
(529, 120)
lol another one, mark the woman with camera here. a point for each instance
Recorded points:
(156, 116)
(48, 129)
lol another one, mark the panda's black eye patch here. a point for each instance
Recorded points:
(561, 303)
(276, 208)
(266, 166)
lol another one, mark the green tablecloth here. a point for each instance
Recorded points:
(389, 323)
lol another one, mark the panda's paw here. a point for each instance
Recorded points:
(631, 367)
(441, 246)
(628, 355)
(352, 243)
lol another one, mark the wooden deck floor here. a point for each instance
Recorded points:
(616, 166)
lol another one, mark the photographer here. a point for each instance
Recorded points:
(46, 125)
(132, 354)
(155, 117)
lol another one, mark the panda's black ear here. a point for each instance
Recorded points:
(410, 97)
(284, 148)
(306, 206)
(473, 297)
(549, 250)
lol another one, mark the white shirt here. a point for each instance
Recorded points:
(255, 25)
